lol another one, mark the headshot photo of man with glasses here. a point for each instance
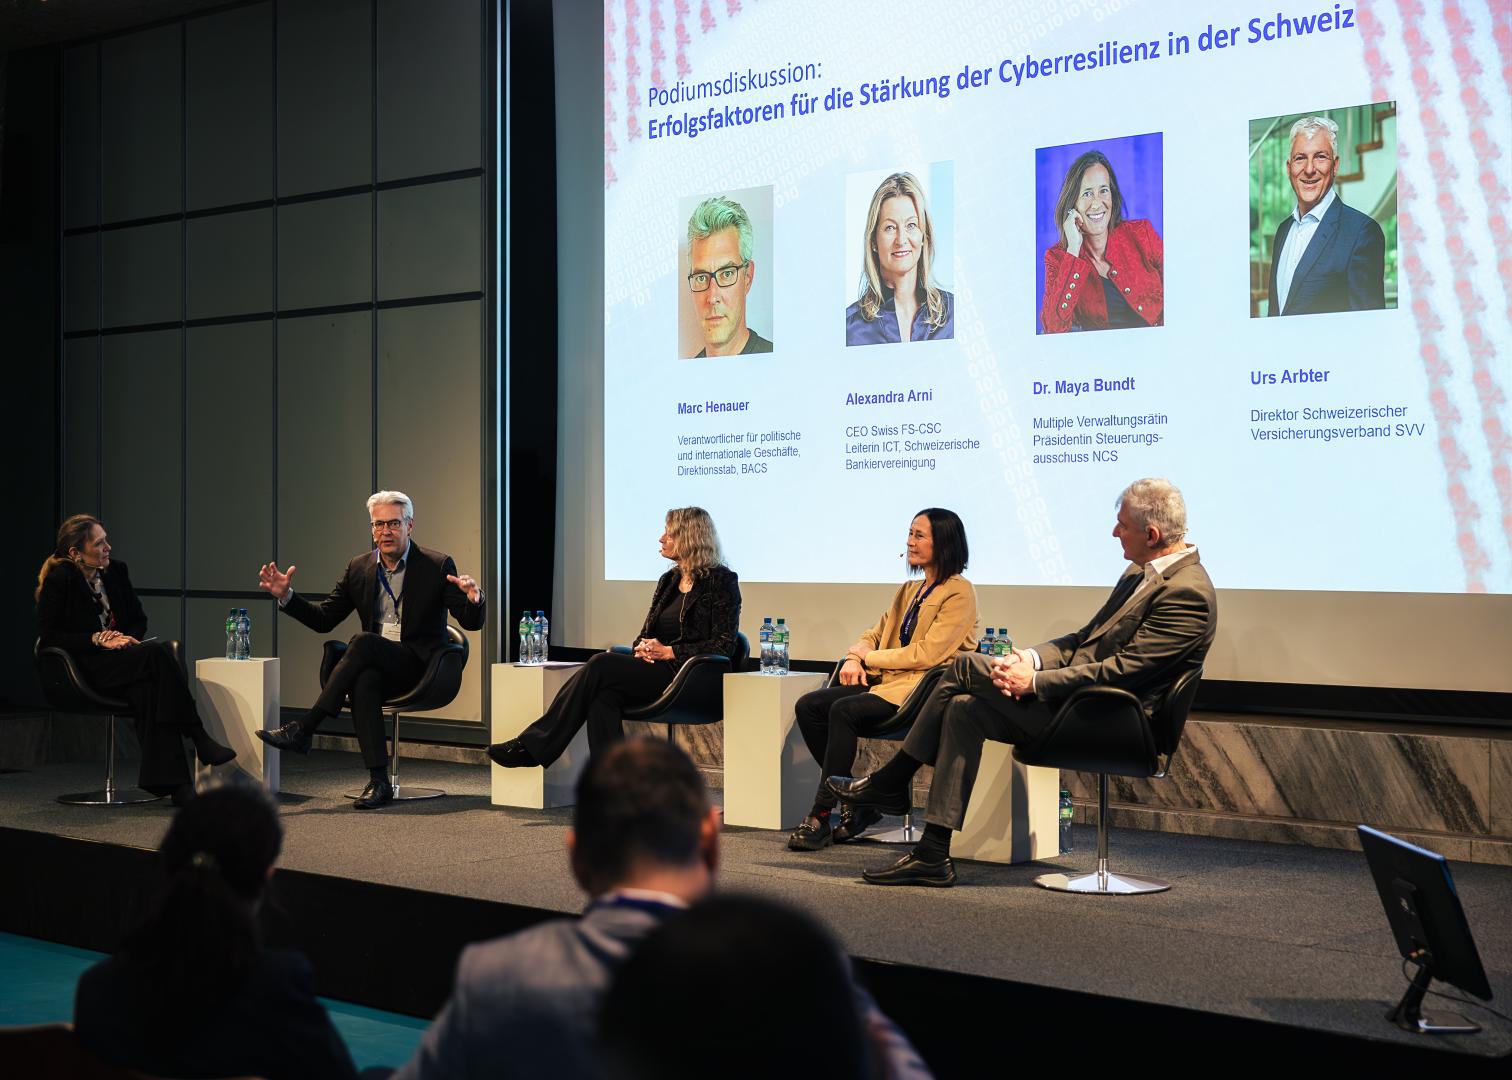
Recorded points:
(721, 270)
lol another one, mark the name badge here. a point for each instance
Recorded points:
(390, 631)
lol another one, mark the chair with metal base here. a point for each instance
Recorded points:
(696, 693)
(897, 729)
(435, 690)
(67, 691)
(1104, 730)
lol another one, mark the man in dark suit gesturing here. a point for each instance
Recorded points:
(1156, 625)
(402, 593)
(1326, 256)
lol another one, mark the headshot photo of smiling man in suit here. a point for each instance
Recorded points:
(1330, 179)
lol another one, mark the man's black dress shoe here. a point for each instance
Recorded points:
(855, 820)
(812, 834)
(208, 750)
(377, 793)
(511, 755)
(910, 870)
(291, 736)
(860, 794)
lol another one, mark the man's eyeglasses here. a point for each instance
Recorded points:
(698, 281)
(391, 525)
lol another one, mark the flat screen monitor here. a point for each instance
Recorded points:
(1429, 923)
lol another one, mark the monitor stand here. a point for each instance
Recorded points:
(1409, 1015)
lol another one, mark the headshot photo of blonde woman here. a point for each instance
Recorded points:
(901, 262)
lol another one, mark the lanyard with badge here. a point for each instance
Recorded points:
(390, 626)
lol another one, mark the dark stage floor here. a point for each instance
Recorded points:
(1291, 935)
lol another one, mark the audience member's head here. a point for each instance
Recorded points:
(200, 938)
(757, 952)
(643, 819)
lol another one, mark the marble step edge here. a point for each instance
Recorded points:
(1323, 834)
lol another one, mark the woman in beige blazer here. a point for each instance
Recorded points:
(932, 617)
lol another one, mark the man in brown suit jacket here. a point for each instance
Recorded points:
(1156, 625)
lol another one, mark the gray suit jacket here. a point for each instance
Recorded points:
(527, 1004)
(1140, 643)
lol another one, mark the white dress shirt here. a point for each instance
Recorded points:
(1295, 245)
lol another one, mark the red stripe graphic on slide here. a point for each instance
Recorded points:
(1493, 397)
(1410, 240)
(1478, 344)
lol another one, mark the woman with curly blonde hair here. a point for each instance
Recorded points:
(694, 610)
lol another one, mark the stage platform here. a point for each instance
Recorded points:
(1274, 949)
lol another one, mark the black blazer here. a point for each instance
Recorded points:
(428, 596)
(710, 620)
(67, 616)
(272, 1027)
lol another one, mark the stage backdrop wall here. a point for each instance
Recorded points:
(275, 302)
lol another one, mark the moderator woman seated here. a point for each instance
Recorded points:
(694, 610)
(87, 607)
(929, 621)
(1104, 273)
(899, 298)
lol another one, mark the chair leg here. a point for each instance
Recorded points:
(401, 794)
(1100, 881)
(109, 795)
(908, 834)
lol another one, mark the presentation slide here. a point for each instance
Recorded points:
(861, 259)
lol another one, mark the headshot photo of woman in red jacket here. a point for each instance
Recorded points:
(1103, 266)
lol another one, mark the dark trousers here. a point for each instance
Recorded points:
(832, 720)
(372, 670)
(965, 711)
(151, 681)
(605, 686)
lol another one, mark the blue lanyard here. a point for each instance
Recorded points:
(911, 616)
(655, 907)
(384, 581)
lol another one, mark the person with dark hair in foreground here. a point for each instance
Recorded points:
(644, 844)
(87, 607)
(1155, 626)
(192, 992)
(928, 623)
(755, 952)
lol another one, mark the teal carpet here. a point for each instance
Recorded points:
(38, 988)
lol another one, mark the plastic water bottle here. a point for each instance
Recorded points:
(780, 638)
(232, 633)
(244, 635)
(542, 637)
(526, 628)
(1067, 811)
(1002, 645)
(985, 645)
(766, 645)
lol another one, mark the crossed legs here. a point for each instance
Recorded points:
(964, 711)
